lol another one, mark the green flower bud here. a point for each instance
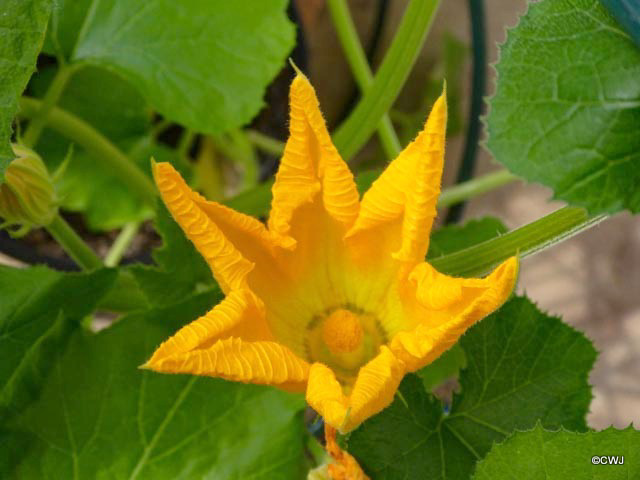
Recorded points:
(27, 196)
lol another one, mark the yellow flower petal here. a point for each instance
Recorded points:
(232, 358)
(229, 267)
(237, 308)
(231, 341)
(373, 390)
(410, 185)
(310, 164)
(469, 300)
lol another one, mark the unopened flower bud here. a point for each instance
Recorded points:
(27, 195)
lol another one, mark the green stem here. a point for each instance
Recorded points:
(360, 67)
(524, 241)
(474, 187)
(39, 120)
(390, 77)
(159, 127)
(246, 156)
(265, 143)
(121, 244)
(185, 143)
(71, 242)
(96, 144)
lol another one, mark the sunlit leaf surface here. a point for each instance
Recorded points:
(561, 455)
(567, 107)
(99, 416)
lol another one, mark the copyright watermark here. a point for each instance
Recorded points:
(607, 460)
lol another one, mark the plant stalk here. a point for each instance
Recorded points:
(524, 241)
(121, 244)
(71, 242)
(265, 143)
(96, 144)
(50, 99)
(357, 59)
(377, 100)
(474, 187)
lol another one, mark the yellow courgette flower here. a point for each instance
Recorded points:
(334, 296)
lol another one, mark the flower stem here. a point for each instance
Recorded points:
(474, 187)
(71, 242)
(265, 143)
(376, 101)
(121, 244)
(185, 143)
(357, 59)
(39, 119)
(96, 144)
(524, 241)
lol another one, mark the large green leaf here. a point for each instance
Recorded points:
(39, 309)
(100, 416)
(566, 112)
(119, 112)
(180, 269)
(22, 27)
(523, 367)
(563, 455)
(202, 63)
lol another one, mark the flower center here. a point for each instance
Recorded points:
(344, 338)
(342, 331)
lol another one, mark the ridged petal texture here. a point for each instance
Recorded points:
(324, 250)
(310, 164)
(409, 187)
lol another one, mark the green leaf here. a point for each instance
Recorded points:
(119, 112)
(203, 64)
(523, 367)
(566, 112)
(100, 416)
(181, 270)
(453, 238)
(561, 455)
(22, 27)
(39, 309)
(446, 366)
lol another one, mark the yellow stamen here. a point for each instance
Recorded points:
(342, 332)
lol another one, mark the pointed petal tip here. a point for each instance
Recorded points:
(146, 366)
(295, 68)
(161, 169)
(439, 111)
